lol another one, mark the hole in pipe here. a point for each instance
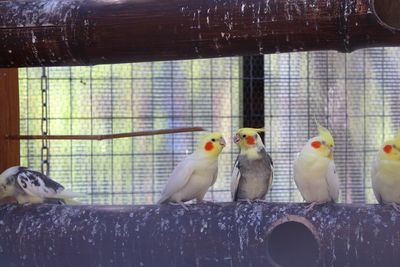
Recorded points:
(292, 244)
(388, 12)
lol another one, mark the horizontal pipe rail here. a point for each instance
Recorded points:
(213, 234)
(88, 32)
(106, 136)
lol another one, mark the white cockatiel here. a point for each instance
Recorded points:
(386, 173)
(314, 170)
(193, 176)
(28, 186)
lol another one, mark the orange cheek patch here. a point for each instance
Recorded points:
(388, 149)
(250, 140)
(316, 144)
(209, 146)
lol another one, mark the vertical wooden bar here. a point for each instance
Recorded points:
(9, 118)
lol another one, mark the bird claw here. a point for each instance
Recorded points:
(180, 204)
(396, 207)
(311, 206)
(261, 200)
(245, 200)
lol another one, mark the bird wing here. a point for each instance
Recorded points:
(374, 174)
(268, 161)
(37, 184)
(332, 180)
(178, 178)
(235, 178)
(215, 176)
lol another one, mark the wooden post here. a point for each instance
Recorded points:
(9, 118)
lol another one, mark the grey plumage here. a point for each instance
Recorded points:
(252, 178)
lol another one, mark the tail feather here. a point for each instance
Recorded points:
(70, 201)
(68, 194)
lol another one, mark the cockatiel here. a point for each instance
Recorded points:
(386, 174)
(314, 170)
(193, 176)
(28, 186)
(253, 170)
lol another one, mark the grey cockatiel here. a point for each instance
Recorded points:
(253, 170)
(29, 186)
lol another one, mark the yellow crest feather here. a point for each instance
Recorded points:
(257, 130)
(324, 133)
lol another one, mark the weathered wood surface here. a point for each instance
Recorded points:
(220, 234)
(9, 118)
(86, 32)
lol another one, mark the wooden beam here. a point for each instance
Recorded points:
(9, 118)
(87, 32)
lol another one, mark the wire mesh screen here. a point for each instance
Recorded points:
(355, 95)
(125, 98)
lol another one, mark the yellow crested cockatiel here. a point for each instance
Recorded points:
(193, 176)
(386, 173)
(253, 170)
(28, 186)
(314, 170)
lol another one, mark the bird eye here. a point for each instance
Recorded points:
(244, 136)
(213, 140)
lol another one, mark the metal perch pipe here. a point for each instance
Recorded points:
(87, 32)
(220, 234)
(105, 136)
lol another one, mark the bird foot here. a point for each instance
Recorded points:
(180, 204)
(261, 201)
(8, 200)
(312, 205)
(245, 200)
(396, 207)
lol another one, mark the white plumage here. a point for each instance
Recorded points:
(190, 179)
(193, 176)
(316, 177)
(386, 181)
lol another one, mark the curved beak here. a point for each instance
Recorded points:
(222, 142)
(236, 139)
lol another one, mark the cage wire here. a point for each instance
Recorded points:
(355, 95)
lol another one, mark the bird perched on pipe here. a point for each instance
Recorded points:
(29, 186)
(314, 170)
(385, 173)
(253, 170)
(193, 176)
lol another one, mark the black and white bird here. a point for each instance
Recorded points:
(253, 170)
(28, 186)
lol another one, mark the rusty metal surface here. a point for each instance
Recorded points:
(222, 234)
(78, 32)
